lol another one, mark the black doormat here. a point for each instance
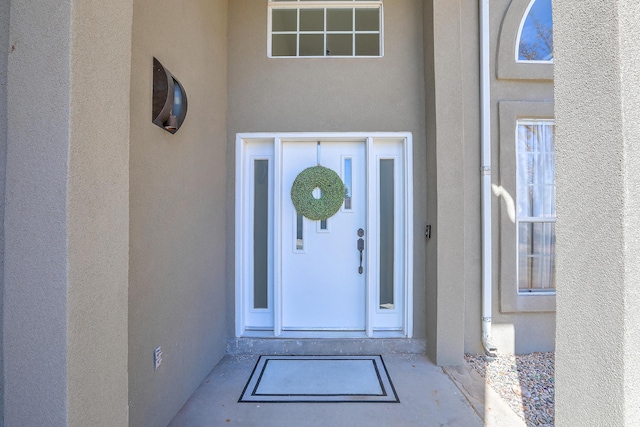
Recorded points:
(319, 379)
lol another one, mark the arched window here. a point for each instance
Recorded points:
(527, 28)
(535, 35)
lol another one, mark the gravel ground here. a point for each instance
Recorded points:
(524, 381)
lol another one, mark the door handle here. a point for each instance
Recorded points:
(360, 248)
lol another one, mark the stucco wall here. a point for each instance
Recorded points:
(598, 139)
(331, 94)
(449, 108)
(178, 233)
(35, 217)
(4, 45)
(430, 261)
(66, 214)
(98, 213)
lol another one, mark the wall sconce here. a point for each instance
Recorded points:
(169, 99)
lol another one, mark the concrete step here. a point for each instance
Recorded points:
(325, 346)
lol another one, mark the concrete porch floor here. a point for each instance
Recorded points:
(428, 397)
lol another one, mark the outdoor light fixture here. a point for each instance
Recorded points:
(169, 99)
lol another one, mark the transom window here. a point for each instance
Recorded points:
(535, 35)
(330, 28)
(536, 206)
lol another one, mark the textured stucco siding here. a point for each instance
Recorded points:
(66, 222)
(598, 123)
(629, 13)
(431, 270)
(178, 232)
(447, 103)
(35, 308)
(98, 213)
(4, 43)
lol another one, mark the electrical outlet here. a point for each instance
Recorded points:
(157, 358)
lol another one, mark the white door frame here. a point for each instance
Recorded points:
(243, 260)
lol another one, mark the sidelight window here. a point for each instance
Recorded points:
(387, 231)
(260, 233)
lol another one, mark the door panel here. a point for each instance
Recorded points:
(322, 288)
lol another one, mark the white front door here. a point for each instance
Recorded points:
(323, 284)
(297, 277)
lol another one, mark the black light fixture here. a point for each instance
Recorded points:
(169, 99)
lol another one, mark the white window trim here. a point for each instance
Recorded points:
(297, 4)
(511, 300)
(531, 220)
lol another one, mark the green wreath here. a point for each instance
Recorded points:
(332, 187)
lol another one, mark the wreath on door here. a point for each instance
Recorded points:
(329, 183)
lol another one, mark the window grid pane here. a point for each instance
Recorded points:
(535, 192)
(367, 20)
(339, 44)
(284, 20)
(311, 20)
(536, 254)
(311, 45)
(367, 44)
(340, 20)
(283, 45)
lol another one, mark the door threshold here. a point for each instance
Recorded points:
(323, 334)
